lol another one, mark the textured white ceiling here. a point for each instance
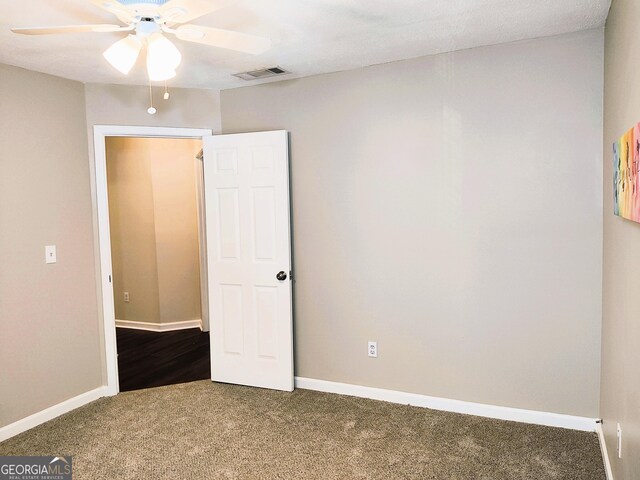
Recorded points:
(309, 36)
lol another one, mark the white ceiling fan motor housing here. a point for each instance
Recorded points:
(140, 9)
(145, 27)
(147, 12)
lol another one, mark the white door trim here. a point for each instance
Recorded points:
(100, 132)
(603, 449)
(202, 243)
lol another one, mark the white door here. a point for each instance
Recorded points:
(246, 179)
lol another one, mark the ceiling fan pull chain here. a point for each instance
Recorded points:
(166, 91)
(151, 110)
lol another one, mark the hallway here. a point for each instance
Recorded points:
(152, 359)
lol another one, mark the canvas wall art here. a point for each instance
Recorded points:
(626, 175)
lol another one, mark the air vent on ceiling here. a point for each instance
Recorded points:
(262, 73)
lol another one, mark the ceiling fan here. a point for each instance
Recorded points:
(150, 19)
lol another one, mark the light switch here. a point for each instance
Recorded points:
(50, 254)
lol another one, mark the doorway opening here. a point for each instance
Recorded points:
(155, 199)
(247, 262)
(100, 135)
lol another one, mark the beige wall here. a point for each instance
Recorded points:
(176, 224)
(133, 233)
(154, 230)
(620, 398)
(127, 105)
(448, 207)
(49, 342)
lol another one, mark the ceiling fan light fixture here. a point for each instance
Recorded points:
(162, 58)
(123, 54)
(162, 51)
(160, 74)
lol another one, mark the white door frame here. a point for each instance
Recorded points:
(202, 242)
(100, 132)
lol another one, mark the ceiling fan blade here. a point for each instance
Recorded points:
(69, 29)
(115, 8)
(228, 39)
(182, 11)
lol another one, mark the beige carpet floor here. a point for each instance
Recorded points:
(202, 430)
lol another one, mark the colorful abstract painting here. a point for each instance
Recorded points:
(626, 175)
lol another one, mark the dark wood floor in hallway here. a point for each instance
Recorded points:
(151, 359)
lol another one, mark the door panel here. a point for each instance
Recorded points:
(264, 224)
(248, 237)
(231, 311)
(228, 224)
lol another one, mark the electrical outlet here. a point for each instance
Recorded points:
(372, 348)
(619, 435)
(126, 297)
(50, 254)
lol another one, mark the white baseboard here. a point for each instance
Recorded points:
(458, 406)
(50, 413)
(605, 453)
(160, 327)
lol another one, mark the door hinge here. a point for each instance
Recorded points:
(291, 275)
(109, 278)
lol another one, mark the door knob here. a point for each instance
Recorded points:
(281, 276)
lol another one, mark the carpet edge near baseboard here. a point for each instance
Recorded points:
(437, 403)
(535, 417)
(49, 413)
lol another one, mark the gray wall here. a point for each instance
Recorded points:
(449, 207)
(49, 342)
(620, 398)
